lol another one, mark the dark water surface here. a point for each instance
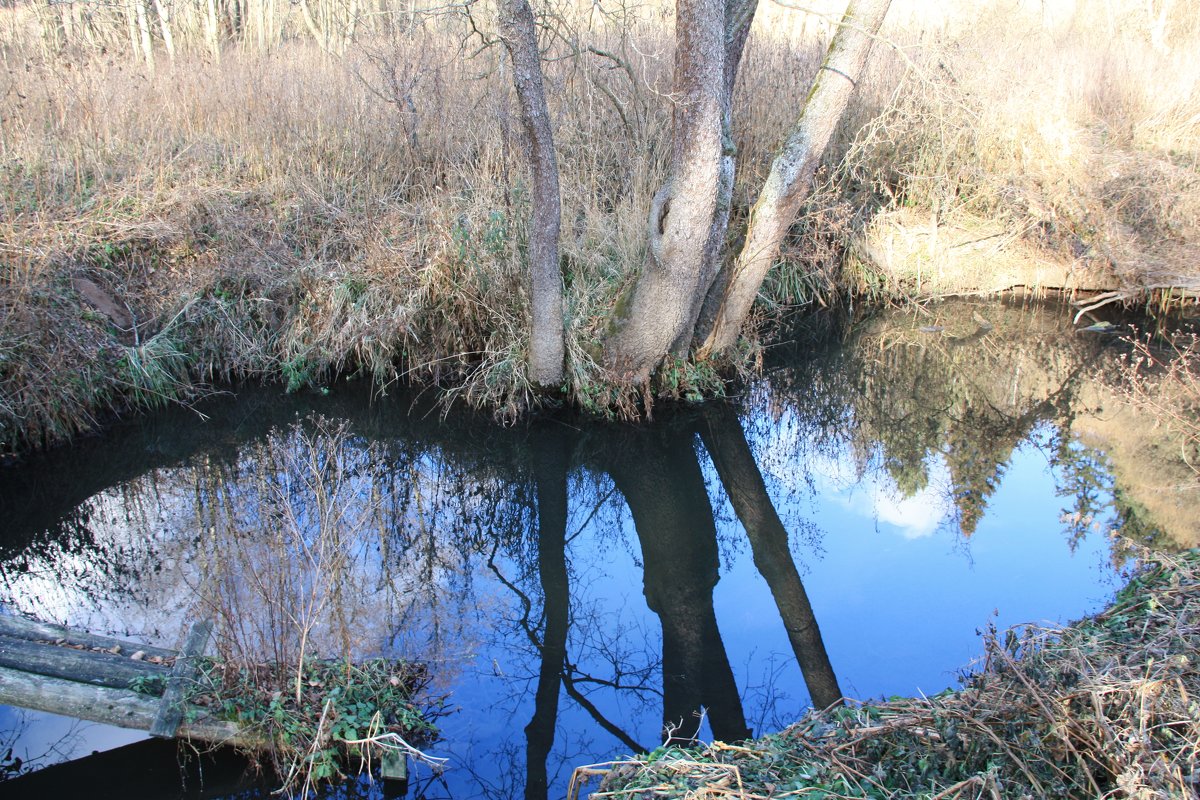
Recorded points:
(848, 527)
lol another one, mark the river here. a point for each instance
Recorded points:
(850, 525)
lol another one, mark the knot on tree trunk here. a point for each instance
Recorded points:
(660, 207)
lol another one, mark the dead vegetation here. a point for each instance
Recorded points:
(1103, 708)
(315, 194)
(1164, 380)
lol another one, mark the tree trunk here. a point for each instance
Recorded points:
(143, 24)
(739, 14)
(546, 346)
(164, 24)
(735, 289)
(658, 317)
(211, 30)
(311, 24)
(131, 26)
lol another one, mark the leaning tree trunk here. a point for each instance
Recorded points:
(658, 315)
(546, 347)
(739, 14)
(734, 290)
(164, 24)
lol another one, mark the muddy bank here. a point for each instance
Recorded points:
(923, 255)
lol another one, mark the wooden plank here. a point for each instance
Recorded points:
(170, 710)
(119, 707)
(32, 630)
(85, 666)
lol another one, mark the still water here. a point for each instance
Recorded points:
(847, 527)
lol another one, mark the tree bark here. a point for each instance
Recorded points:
(546, 347)
(739, 14)
(658, 315)
(734, 290)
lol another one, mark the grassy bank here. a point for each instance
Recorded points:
(1103, 708)
(290, 206)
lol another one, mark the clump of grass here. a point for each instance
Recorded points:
(344, 713)
(1104, 707)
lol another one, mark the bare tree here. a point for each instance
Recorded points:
(690, 213)
(788, 183)
(546, 347)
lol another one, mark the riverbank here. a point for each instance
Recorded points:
(1104, 707)
(291, 210)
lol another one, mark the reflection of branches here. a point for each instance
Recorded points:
(726, 443)
(596, 714)
(15, 761)
(600, 503)
(570, 674)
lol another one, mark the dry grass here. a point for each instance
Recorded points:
(302, 208)
(1072, 145)
(1103, 708)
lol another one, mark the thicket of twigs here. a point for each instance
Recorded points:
(300, 191)
(288, 573)
(1107, 707)
(1164, 380)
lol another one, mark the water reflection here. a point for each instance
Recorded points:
(659, 476)
(584, 591)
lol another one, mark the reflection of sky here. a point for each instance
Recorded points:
(40, 739)
(898, 594)
(874, 496)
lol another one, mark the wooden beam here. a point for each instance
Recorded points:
(84, 666)
(33, 631)
(119, 707)
(170, 710)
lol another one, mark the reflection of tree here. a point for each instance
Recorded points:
(946, 381)
(727, 446)
(660, 477)
(442, 494)
(977, 453)
(549, 457)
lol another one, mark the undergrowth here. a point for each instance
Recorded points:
(318, 729)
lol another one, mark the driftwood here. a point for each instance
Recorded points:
(96, 678)
(83, 666)
(30, 630)
(76, 674)
(120, 707)
(170, 710)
